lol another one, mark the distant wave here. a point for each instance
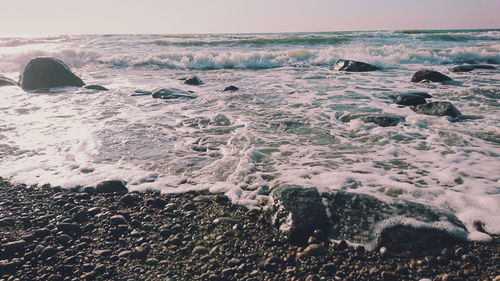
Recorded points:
(257, 41)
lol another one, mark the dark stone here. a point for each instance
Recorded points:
(383, 120)
(111, 186)
(231, 88)
(467, 68)
(69, 227)
(297, 212)
(138, 93)
(427, 75)
(438, 108)
(42, 233)
(354, 66)
(130, 199)
(14, 247)
(194, 81)
(4, 81)
(172, 93)
(390, 222)
(48, 252)
(156, 203)
(96, 87)
(409, 99)
(48, 72)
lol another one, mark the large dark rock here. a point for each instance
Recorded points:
(427, 75)
(438, 108)
(4, 81)
(172, 93)
(471, 67)
(354, 66)
(194, 81)
(409, 99)
(383, 120)
(111, 186)
(297, 212)
(47, 72)
(400, 225)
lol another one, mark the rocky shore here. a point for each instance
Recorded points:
(48, 233)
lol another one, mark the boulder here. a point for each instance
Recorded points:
(194, 81)
(48, 72)
(96, 87)
(426, 75)
(383, 120)
(409, 99)
(4, 81)
(231, 89)
(438, 108)
(111, 186)
(353, 66)
(172, 93)
(471, 67)
(399, 225)
(297, 212)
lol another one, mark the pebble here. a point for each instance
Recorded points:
(69, 227)
(117, 219)
(125, 254)
(225, 220)
(313, 250)
(384, 252)
(103, 253)
(48, 252)
(199, 250)
(152, 261)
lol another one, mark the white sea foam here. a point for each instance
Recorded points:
(282, 126)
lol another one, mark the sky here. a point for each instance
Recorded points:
(53, 17)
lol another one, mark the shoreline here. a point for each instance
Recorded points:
(49, 233)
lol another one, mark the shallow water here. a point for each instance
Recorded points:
(286, 124)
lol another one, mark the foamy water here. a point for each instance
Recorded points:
(282, 126)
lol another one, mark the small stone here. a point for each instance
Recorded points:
(389, 276)
(140, 252)
(152, 261)
(130, 199)
(313, 250)
(199, 250)
(225, 220)
(48, 252)
(202, 198)
(103, 253)
(69, 227)
(111, 186)
(117, 219)
(231, 89)
(194, 81)
(42, 233)
(93, 211)
(384, 252)
(15, 247)
(156, 203)
(313, 277)
(64, 239)
(125, 254)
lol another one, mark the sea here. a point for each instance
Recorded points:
(292, 121)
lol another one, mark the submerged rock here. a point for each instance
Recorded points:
(354, 66)
(96, 87)
(438, 108)
(194, 81)
(409, 99)
(298, 212)
(4, 81)
(406, 225)
(111, 186)
(471, 67)
(172, 93)
(230, 88)
(48, 72)
(383, 120)
(427, 75)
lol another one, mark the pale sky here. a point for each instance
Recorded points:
(44, 17)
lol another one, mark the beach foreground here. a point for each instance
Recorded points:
(49, 233)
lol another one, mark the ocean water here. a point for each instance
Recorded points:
(288, 123)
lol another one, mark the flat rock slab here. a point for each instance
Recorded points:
(383, 120)
(48, 72)
(409, 99)
(438, 108)
(172, 93)
(400, 225)
(468, 68)
(354, 66)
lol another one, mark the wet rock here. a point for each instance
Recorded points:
(64, 239)
(471, 67)
(409, 99)
(96, 87)
(48, 252)
(220, 120)
(4, 81)
(172, 93)
(383, 120)
(117, 220)
(48, 72)
(199, 250)
(297, 212)
(14, 247)
(130, 199)
(103, 253)
(399, 226)
(140, 252)
(111, 186)
(230, 89)
(194, 81)
(125, 254)
(151, 261)
(156, 203)
(354, 66)
(427, 75)
(8, 267)
(69, 227)
(313, 250)
(389, 276)
(438, 108)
